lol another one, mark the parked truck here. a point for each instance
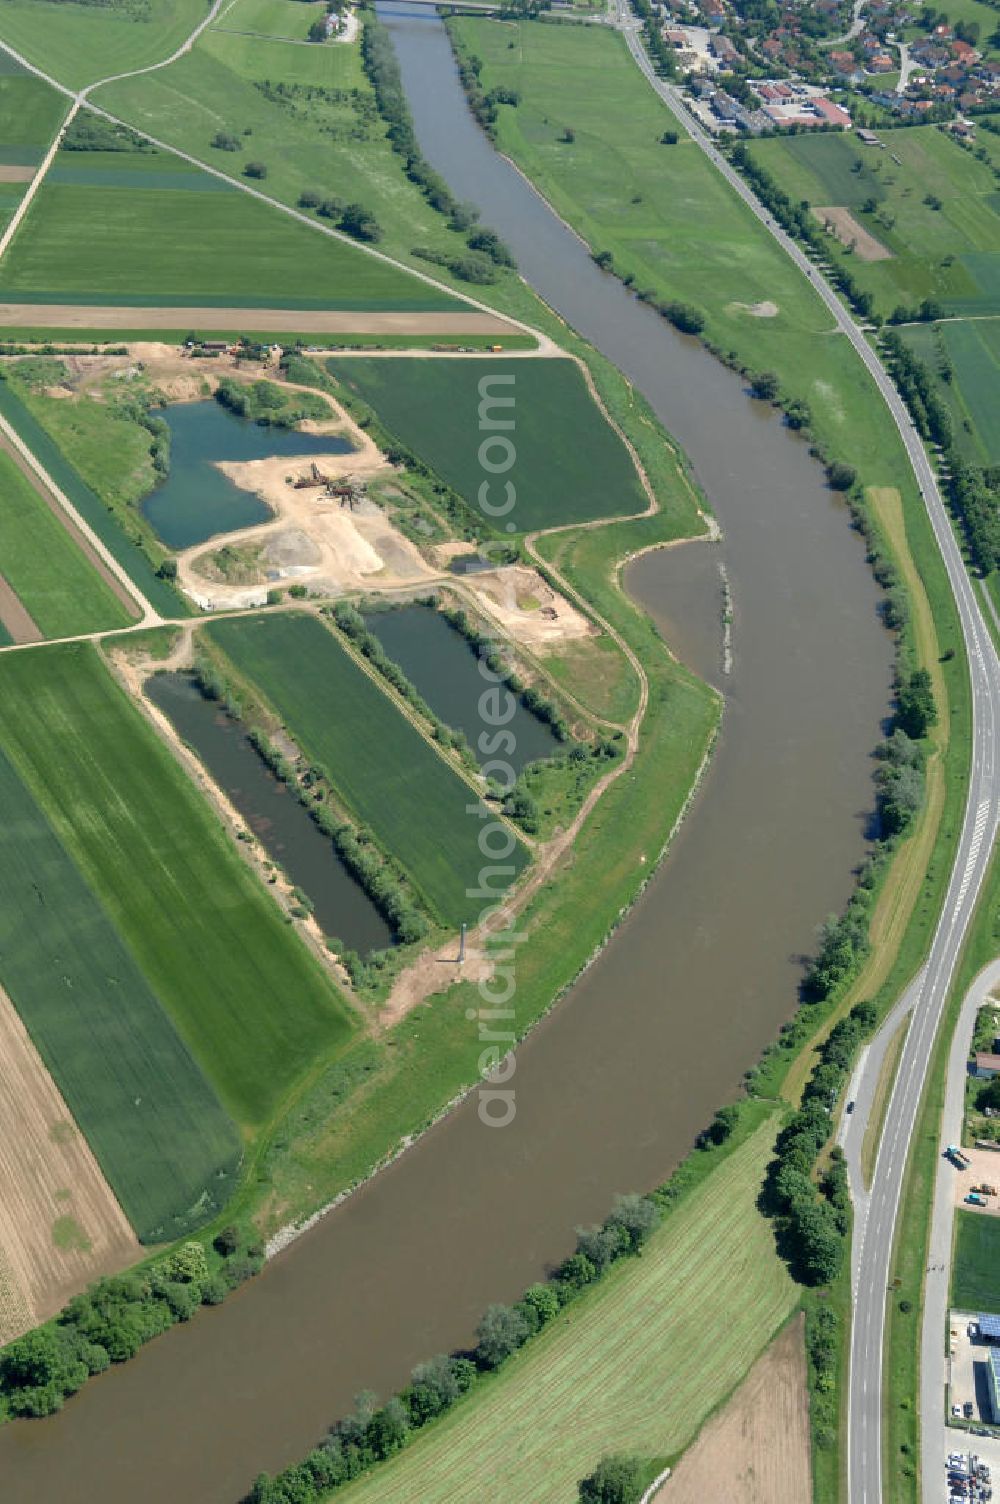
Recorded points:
(958, 1159)
(974, 1199)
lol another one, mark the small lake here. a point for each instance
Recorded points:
(196, 501)
(438, 660)
(273, 813)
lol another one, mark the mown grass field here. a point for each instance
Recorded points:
(569, 465)
(92, 242)
(80, 43)
(975, 1269)
(273, 18)
(950, 253)
(634, 1366)
(57, 586)
(250, 1001)
(387, 774)
(154, 1123)
(315, 127)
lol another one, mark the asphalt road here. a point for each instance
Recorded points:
(875, 1223)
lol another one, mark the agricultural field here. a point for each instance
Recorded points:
(308, 113)
(72, 442)
(387, 774)
(156, 1127)
(30, 114)
(271, 18)
(934, 210)
(570, 465)
(971, 349)
(62, 1225)
(79, 43)
(131, 229)
(633, 1366)
(42, 563)
(975, 1270)
(250, 1002)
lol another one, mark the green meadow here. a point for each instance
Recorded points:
(935, 211)
(57, 586)
(102, 239)
(308, 113)
(975, 1270)
(30, 114)
(151, 1118)
(971, 349)
(78, 44)
(569, 464)
(273, 18)
(247, 997)
(388, 775)
(633, 1366)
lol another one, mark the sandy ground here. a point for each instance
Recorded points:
(50, 1186)
(238, 320)
(527, 606)
(985, 1167)
(11, 174)
(14, 616)
(846, 228)
(765, 310)
(756, 1450)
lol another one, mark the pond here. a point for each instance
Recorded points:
(196, 501)
(436, 658)
(272, 812)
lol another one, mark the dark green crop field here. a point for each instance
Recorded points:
(250, 1001)
(383, 768)
(40, 561)
(568, 465)
(92, 236)
(154, 1123)
(30, 114)
(975, 1275)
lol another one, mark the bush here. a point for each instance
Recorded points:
(500, 1332)
(840, 476)
(255, 170)
(615, 1480)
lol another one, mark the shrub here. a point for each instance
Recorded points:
(615, 1480)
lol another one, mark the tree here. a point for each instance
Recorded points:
(360, 222)
(225, 141)
(255, 170)
(841, 476)
(615, 1480)
(765, 385)
(669, 138)
(568, 134)
(916, 712)
(634, 1218)
(544, 1302)
(601, 1245)
(500, 1332)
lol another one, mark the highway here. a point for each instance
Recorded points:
(875, 1222)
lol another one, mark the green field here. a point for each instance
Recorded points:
(379, 763)
(245, 994)
(30, 114)
(975, 1270)
(634, 1366)
(972, 348)
(57, 586)
(273, 18)
(312, 119)
(949, 253)
(154, 1123)
(105, 459)
(96, 242)
(570, 465)
(78, 43)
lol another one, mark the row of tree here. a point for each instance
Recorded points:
(114, 1318)
(484, 646)
(374, 1432)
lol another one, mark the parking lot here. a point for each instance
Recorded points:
(968, 1389)
(976, 1452)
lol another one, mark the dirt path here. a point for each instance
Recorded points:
(756, 1450)
(15, 616)
(60, 1225)
(259, 320)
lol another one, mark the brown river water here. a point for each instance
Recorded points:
(614, 1084)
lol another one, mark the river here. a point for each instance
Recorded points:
(614, 1084)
